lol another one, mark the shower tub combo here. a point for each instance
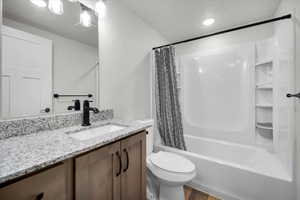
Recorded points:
(237, 121)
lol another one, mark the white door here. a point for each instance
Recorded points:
(26, 78)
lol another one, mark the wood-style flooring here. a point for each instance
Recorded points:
(192, 194)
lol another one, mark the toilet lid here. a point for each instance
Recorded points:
(172, 162)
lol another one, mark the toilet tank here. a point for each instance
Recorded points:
(149, 141)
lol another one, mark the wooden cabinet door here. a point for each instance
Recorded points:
(133, 180)
(46, 185)
(97, 174)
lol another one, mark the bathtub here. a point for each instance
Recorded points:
(236, 172)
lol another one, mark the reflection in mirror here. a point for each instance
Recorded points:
(45, 52)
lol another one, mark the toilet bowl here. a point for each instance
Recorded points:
(172, 172)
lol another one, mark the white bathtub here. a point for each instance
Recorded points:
(236, 172)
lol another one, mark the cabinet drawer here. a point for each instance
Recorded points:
(46, 185)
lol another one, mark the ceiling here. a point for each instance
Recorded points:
(174, 19)
(66, 25)
(182, 19)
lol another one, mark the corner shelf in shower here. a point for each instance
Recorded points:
(265, 139)
(265, 125)
(264, 106)
(264, 95)
(265, 62)
(265, 85)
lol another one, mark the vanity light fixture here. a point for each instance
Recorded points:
(208, 21)
(85, 16)
(56, 7)
(39, 3)
(101, 9)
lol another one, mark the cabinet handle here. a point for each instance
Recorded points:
(127, 160)
(40, 196)
(120, 163)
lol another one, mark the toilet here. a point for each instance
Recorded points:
(170, 171)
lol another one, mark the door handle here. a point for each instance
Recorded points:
(127, 160)
(293, 95)
(120, 163)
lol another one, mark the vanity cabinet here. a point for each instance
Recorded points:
(47, 185)
(113, 172)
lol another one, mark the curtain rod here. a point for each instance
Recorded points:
(289, 16)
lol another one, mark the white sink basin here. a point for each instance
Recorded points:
(96, 132)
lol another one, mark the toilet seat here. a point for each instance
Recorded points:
(172, 162)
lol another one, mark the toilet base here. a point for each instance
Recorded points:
(171, 192)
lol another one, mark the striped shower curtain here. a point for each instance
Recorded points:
(168, 113)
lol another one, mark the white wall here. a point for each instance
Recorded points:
(284, 36)
(242, 36)
(0, 46)
(293, 6)
(297, 31)
(297, 19)
(125, 44)
(73, 63)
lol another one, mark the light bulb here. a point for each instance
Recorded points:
(39, 3)
(208, 22)
(56, 7)
(101, 9)
(85, 18)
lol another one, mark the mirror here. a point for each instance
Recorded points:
(47, 50)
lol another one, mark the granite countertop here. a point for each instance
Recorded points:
(22, 155)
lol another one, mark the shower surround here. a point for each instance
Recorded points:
(237, 121)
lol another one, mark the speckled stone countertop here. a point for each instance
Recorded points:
(22, 155)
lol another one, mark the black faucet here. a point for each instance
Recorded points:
(76, 106)
(86, 113)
